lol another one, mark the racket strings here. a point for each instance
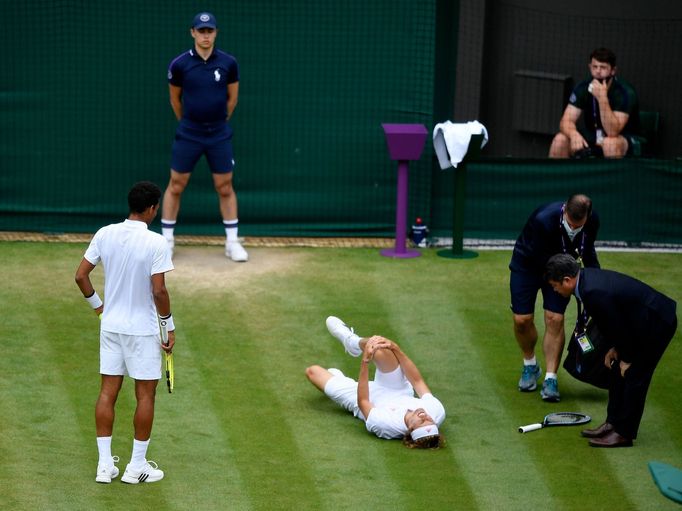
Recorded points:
(565, 418)
(170, 373)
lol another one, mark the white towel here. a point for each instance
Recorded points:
(451, 141)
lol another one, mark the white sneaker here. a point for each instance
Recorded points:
(107, 472)
(236, 252)
(147, 474)
(346, 335)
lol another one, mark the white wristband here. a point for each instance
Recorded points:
(94, 300)
(167, 323)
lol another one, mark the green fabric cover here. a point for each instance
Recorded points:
(668, 479)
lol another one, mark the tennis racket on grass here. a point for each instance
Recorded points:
(558, 419)
(170, 371)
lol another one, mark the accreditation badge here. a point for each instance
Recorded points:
(584, 342)
(600, 137)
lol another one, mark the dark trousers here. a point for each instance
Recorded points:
(627, 395)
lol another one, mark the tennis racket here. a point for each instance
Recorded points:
(170, 372)
(558, 419)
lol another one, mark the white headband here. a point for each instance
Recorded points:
(423, 431)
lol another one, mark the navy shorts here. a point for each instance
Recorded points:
(193, 140)
(524, 289)
(591, 139)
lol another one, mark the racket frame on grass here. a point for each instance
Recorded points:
(170, 371)
(558, 419)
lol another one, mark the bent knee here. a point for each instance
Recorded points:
(560, 138)
(560, 147)
(554, 320)
(614, 147)
(523, 323)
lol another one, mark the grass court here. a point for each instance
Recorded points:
(245, 430)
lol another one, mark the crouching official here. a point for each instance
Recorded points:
(637, 321)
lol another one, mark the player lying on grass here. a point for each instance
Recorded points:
(387, 404)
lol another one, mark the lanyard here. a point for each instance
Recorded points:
(595, 114)
(581, 319)
(563, 242)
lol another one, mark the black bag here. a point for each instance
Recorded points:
(588, 367)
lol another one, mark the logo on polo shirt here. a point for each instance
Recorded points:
(216, 73)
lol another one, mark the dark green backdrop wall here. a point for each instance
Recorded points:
(85, 110)
(84, 113)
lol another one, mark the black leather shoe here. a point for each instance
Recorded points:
(612, 439)
(597, 432)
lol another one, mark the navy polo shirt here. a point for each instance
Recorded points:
(543, 236)
(204, 84)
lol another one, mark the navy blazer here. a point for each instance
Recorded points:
(542, 237)
(630, 314)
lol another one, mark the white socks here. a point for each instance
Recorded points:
(167, 228)
(353, 341)
(104, 448)
(138, 458)
(550, 375)
(231, 230)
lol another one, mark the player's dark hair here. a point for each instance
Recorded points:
(604, 55)
(579, 207)
(142, 196)
(427, 442)
(560, 266)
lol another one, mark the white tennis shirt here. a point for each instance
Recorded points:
(130, 254)
(387, 418)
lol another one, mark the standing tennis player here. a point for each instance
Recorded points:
(204, 85)
(135, 261)
(386, 404)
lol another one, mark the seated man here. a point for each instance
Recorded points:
(387, 404)
(611, 114)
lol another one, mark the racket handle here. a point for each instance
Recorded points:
(530, 427)
(163, 324)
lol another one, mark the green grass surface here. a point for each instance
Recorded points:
(245, 430)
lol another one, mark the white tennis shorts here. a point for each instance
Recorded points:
(138, 356)
(344, 390)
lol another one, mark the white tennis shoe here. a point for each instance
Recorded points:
(107, 472)
(346, 335)
(148, 473)
(236, 252)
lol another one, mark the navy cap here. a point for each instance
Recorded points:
(204, 20)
